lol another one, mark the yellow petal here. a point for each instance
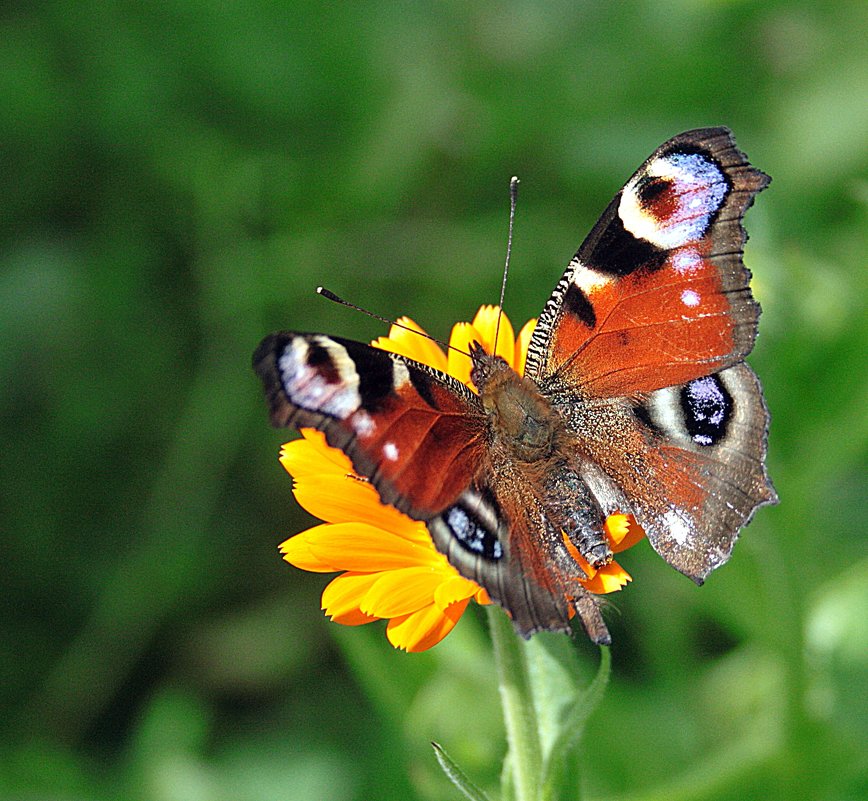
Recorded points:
(459, 363)
(425, 628)
(400, 592)
(401, 348)
(521, 344)
(635, 533)
(616, 527)
(311, 456)
(486, 323)
(586, 567)
(363, 548)
(338, 499)
(353, 617)
(343, 594)
(453, 589)
(418, 347)
(297, 551)
(610, 578)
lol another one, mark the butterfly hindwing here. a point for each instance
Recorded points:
(710, 435)
(687, 462)
(481, 535)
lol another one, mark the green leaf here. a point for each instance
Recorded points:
(584, 702)
(457, 776)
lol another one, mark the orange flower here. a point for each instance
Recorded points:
(391, 568)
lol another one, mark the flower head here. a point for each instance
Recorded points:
(388, 565)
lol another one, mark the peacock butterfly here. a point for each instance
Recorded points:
(635, 399)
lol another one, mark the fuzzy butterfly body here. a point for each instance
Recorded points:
(635, 399)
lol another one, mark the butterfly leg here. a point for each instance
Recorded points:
(592, 621)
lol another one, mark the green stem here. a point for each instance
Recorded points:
(519, 714)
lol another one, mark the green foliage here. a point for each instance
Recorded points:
(179, 177)
(458, 778)
(545, 709)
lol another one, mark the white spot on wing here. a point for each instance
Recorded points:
(400, 374)
(589, 280)
(686, 260)
(363, 423)
(390, 451)
(679, 526)
(690, 298)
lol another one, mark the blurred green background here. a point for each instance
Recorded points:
(179, 177)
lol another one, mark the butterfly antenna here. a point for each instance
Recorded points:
(513, 196)
(329, 295)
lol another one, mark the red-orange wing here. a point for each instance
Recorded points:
(657, 295)
(415, 433)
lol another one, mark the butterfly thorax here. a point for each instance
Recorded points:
(530, 447)
(521, 419)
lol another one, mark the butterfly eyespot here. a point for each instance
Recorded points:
(707, 408)
(313, 375)
(471, 533)
(674, 200)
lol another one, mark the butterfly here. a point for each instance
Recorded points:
(635, 399)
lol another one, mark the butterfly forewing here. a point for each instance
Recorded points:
(657, 294)
(417, 434)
